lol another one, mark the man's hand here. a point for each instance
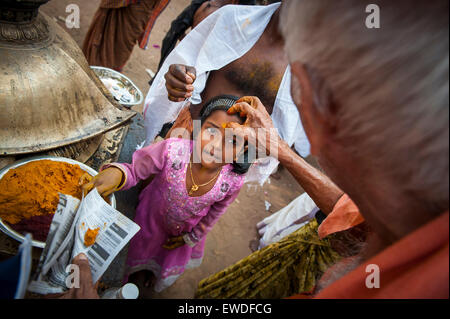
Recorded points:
(179, 80)
(87, 289)
(258, 127)
(318, 186)
(174, 242)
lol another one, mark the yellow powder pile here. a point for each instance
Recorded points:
(90, 236)
(32, 189)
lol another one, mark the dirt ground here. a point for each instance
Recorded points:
(229, 241)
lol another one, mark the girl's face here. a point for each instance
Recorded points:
(215, 145)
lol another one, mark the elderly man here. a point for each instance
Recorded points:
(374, 105)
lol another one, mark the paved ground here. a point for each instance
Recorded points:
(229, 240)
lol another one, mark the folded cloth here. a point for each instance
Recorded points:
(287, 220)
(345, 215)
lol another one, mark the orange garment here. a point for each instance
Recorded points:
(345, 215)
(117, 26)
(417, 266)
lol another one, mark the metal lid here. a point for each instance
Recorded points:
(49, 96)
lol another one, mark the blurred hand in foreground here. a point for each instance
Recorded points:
(87, 289)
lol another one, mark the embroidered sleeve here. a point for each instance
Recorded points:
(146, 161)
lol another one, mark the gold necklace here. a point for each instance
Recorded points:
(195, 187)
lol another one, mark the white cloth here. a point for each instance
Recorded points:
(287, 220)
(224, 36)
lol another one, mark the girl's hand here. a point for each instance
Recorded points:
(106, 181)
(174, 242)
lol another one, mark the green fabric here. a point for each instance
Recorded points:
(288, 267)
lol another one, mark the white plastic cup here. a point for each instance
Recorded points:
(128, 291)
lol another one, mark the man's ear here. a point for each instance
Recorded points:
(314, 121)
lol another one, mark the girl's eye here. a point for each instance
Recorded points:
(212, 130)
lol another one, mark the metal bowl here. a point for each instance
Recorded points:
(121, 87)
(5, 228)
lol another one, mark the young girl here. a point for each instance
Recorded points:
(186, 197)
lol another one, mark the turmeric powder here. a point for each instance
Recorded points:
(90, 236)
(32, 189)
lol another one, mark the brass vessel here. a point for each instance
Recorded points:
(49, 96)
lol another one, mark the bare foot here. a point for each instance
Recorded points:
(254, 244)
(145, 280)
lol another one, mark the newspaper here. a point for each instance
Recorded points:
(66, 240)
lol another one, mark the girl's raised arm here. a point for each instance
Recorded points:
(146, 161)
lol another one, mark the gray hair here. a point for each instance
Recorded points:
(389, 84)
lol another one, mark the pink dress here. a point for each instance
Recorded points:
(165, 210)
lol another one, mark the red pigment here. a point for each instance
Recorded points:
(38, 226)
